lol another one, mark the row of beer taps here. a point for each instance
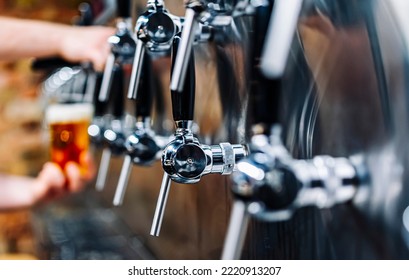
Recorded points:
(268, 183)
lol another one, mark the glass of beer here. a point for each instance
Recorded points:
(68, 130)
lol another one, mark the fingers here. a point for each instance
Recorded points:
(77, 175)
(49, 183)
(89, 168)
(74, 178)
(52, 175)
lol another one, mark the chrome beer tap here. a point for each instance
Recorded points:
(122, 49)
(143, 146)
(270, 186)
(155, 30)
(117, 126)
(200, 21)
(185, 160)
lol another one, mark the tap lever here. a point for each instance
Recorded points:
(190, 26)
(161, 205)
(117, 93)
(123, 181)
(183, 100)
(107, 78)
(282, 26)
(236, 231)
(146, 89)
(103, 169)
(86, 16)
(99, 107)
(136, 70)
(124, 8)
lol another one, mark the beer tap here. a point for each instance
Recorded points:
(270, 185)
(117, 126)
(155, 30)
(201, 18)
(143, 146)
(185, 160)
(122, 49)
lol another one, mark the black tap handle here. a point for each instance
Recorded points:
(86, 16)
(116, 92)
(264, 93)
(99, 107)
(146, 89)
(124, 8)
(51, 64)
(183, 103)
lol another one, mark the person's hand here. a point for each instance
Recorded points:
(87, 44)
(54, 182)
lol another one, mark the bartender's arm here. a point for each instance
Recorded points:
(22, 38)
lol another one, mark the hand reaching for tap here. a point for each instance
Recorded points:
(23, 38)
(52, 182)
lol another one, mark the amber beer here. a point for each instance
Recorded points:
(68, 130)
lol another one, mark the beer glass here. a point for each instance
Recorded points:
(68, 131)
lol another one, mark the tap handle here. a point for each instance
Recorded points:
(146, 89)
(103, 169)
(51, 64)
(107, 78)
(181, 63)
(161, 205)
(236, 231)
(116, 94)
(183, 100)
(136, 70)
(280, 33)
(264, 93)
(123, 181)
(99, 107)
(86, 15)
(123, 8)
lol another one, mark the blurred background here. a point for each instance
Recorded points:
(21, 146)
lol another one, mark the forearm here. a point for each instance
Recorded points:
(21, 38)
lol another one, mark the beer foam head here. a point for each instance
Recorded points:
(60, 113)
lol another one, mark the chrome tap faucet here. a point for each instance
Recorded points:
(155, 30)
(142, 146)
(270, 186)
(185, 159)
